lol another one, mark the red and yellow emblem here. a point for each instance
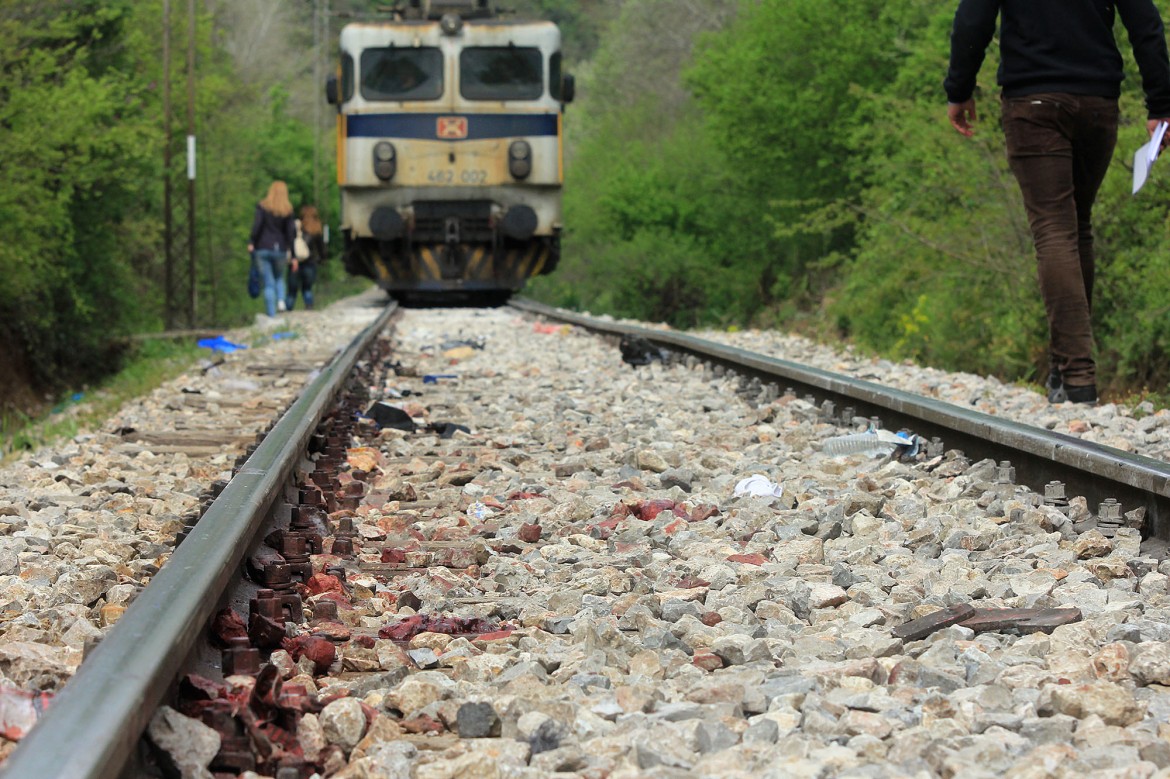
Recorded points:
(452, 128)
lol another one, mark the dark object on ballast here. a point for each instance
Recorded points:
(636, 350)
(385, 415)
(447, 429)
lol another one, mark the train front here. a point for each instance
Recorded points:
(450, 153)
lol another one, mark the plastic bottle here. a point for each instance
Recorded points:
(858, 443)
(873, 442)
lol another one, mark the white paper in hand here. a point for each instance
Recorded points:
(1143, 158)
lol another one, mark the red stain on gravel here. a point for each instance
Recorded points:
(707, 662)
(524, 496)
(750, 559)
(228, 625)
(699, 513)
(393, 556)
(320, 651)
(493, 636)
(425, 623)
(649, 510)
(340, 598)
(320, 583)
(422, 724)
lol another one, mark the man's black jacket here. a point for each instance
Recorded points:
(1060, 46)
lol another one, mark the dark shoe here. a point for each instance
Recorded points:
(1086, 394)
(1055, 387)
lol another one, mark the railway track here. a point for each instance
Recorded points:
(1038, 456)
(546, 562)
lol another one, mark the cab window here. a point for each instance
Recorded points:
(346, 78)
(402, 74)
(501, 73)
(555, 76)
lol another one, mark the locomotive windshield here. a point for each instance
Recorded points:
(402, 74)
(501, 73)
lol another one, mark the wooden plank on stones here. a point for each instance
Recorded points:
(1023, 620)
(201, 438)
(1049, 620)
(924, 626)
(196, 451)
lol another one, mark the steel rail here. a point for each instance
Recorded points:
(1038, 455)
(91, 729)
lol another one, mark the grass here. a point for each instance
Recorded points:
(150, 364)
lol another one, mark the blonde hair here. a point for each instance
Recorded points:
(311, 220)
(276, 202)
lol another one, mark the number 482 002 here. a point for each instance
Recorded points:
(463, 176)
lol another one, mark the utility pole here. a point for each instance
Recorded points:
(326, 48)
(169, 260)
(191, 162)
(317, 39)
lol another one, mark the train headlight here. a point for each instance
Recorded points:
(451, 24)
(385, 160)
(520, 159)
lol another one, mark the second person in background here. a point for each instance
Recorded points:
(304, 272)
(271, 242)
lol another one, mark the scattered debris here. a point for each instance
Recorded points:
(636, 350)
(758, 487)
(982, 620)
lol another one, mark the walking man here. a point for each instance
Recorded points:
(1061, 72)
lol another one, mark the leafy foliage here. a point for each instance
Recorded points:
(81, 159)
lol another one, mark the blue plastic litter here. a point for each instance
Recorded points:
(282, 336)
(220, 344)
(435, 378)
(76, 397)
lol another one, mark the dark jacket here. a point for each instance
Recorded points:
(272, 232)
(316, 246)
(1060, 46)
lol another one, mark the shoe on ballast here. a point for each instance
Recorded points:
(1055, 387)
(280, 306)
(1086, 394)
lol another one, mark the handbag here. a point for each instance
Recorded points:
(300, 245)
(253, 279)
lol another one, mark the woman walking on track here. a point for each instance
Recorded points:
(304, 272)
(273, 233)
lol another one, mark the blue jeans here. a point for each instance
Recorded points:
(272, 264)
(302, 281)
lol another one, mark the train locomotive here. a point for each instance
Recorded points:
(450, 155)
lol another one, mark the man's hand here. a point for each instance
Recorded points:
(962, 115)
(1152, 125)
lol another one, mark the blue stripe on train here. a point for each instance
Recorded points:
(425, 126)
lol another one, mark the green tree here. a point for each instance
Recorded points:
(75, 140)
